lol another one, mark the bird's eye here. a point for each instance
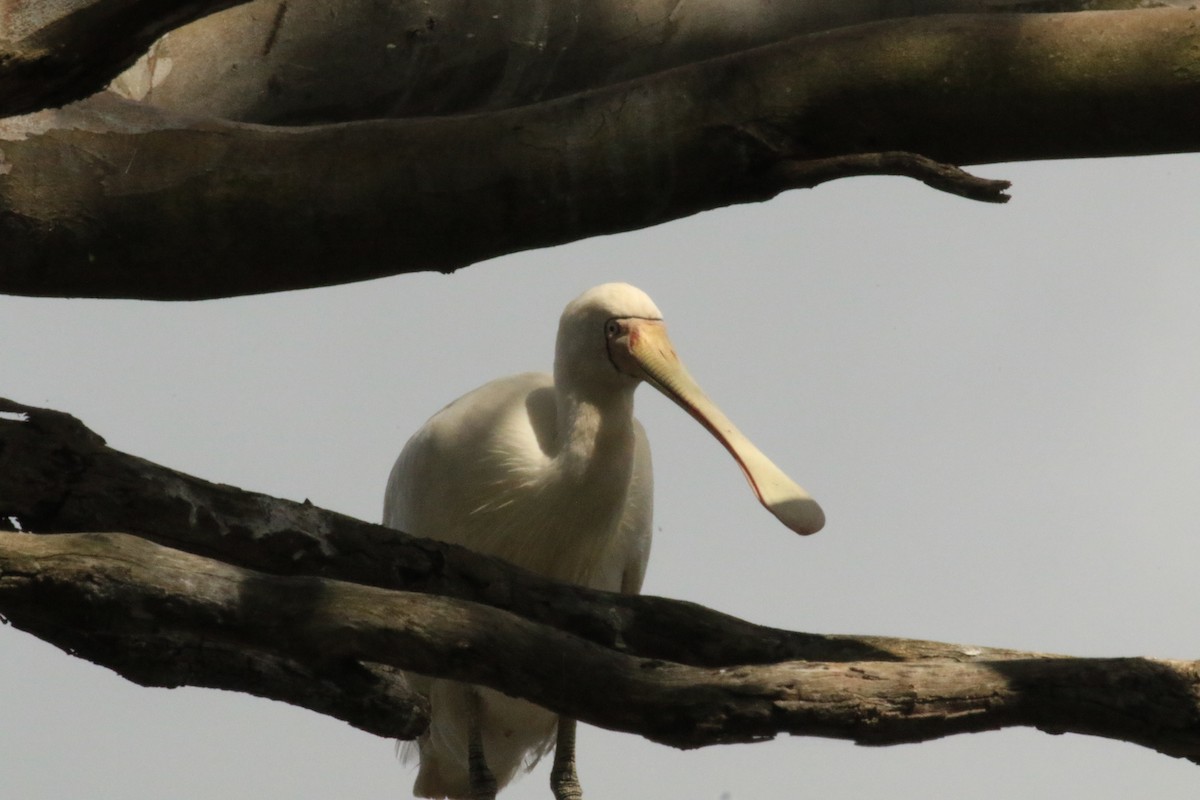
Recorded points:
(612, 328)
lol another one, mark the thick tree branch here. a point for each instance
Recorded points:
(128, 631)
(363, 59)
(58, 476)
(113, 585)
(80, 52)
(162, 617)
(121, 203)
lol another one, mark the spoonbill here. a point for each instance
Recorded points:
(552, 473)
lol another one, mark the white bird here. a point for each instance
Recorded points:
(553, 474)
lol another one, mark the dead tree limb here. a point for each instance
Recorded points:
(56, 476)
(943, 177)
(296, 628)
(105, 202)
(360, 59)
(77, 588)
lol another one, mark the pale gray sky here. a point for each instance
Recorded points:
(996, 407)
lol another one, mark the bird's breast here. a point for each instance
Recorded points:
(556, 513)
(513, 471)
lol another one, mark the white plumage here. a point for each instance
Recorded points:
(553, 474)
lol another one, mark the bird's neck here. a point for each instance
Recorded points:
(595, 434)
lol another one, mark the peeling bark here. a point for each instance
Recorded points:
(78, 53)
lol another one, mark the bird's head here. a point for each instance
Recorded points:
(613, 336)
(594, 333)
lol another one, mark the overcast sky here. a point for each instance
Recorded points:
(996, 407)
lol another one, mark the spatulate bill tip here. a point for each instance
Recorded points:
(801, 514)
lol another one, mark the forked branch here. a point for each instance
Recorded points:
(296, 629)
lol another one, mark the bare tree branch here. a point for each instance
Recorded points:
(363, 59)
(117, 204)
(943, 177)
(162, 617)
(113, 586)
(58, 476)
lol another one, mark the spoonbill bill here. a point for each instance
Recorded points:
(552, 473)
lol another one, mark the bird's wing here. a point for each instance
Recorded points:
(456, 449)
(638, 520)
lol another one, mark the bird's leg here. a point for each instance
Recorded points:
(483, 783)
(563, 780)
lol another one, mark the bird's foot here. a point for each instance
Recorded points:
(564, 782)
(483, 783)
(565, 785)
